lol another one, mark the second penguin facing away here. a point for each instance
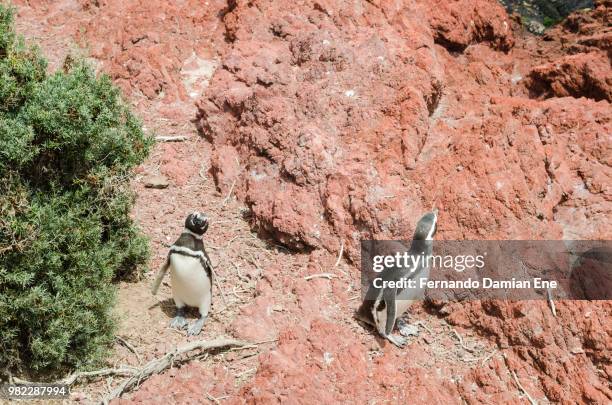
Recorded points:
(383, 306)
(190, 273)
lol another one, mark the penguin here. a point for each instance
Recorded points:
(190, 273)
(383, 306)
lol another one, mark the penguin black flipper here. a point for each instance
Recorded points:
(160, 275)
(389, 295)
(207, 264)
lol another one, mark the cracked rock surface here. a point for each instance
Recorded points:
(340, 123)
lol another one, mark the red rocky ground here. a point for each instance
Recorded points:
(341, 122)
(338, 121)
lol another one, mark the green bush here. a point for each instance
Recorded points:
(67, 145)
(549, 21)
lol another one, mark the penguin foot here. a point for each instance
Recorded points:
(179, 321)
(398, 341)
(196, 328)
(406, 329)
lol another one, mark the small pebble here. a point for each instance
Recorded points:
(158, 182)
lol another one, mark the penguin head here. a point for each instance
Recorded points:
(197, 223)
(427, 226)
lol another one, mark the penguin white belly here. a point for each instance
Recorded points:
(408, 296)
(402, 306)
(405, 299)
(190, 283)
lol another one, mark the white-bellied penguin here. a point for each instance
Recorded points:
(190, 273)
(383, 306)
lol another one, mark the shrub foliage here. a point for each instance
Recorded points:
(67, 144)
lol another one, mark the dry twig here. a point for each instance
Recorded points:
(424, 326)
(219, 287)
(328, 276)
(229, 193)
(518, 383)
(71, 379)
(551, 302)
(168, 360)
(212, 399)
(179, 138)
(461, 342)
(240, 276)
(129, 347)
(487, 357)
(340, 253)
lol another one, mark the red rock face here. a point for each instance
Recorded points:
(566, 352)
(585, 72)
(338, 122)
(458, 24)
(142, 48)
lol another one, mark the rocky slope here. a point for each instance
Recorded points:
(335, 121)
(339, 121)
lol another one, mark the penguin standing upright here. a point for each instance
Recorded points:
(383, 306)
(190, 273)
